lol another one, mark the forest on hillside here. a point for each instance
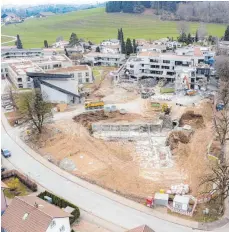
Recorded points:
(211, 12)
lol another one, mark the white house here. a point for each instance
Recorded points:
(31, 213)
(110, 42)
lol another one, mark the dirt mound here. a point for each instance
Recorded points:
(194, 120)
(177, 137)
(88, 118)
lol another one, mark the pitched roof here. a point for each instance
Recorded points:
(30, 213)
(143, 228)
(47, 13)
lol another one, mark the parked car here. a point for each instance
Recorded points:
(6, 153)
(9, 107)
(3, 169)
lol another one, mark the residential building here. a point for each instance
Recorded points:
(110, 42)
(57, 88)
(81, 73)
(45, 14)
(52, 62)
(75, 50)
(165, 66)
(20, 53)
(143, 228)
(173, 45)
(30, 213)
(97, 58)
(17, 73)
(3, 198)
(114, 49)
(151, 48)
(10, 18)
(60, 44)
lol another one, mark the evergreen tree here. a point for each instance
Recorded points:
(97, 49)
(119, 38)
(129, 47)
(66, 52)
(196, 37)
(189, 39)
(123, 47)
(73, 40)
(134, 46)
(19, 43)
(226, 34)
(46, 44)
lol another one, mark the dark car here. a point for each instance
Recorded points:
(3, 169)
(6, 153)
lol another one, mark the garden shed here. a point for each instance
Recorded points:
(161, 199)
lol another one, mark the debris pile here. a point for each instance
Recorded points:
(180, 189)
(177, 137)
(194, 120)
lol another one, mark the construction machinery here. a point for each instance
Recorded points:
(165, 108)
(191, 92)
(94, 105)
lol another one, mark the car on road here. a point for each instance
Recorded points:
(3, 169)
(9, 107)
(6, 153)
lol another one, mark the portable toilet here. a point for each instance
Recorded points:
(161, 199)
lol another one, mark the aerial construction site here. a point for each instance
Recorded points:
(135, 144)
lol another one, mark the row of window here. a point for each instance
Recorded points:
(6, 69)
(160, 72)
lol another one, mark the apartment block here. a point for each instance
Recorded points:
(103, 59)
(17, 73)
(20, 53)
(81, 73)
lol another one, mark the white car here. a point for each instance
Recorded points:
(9, 107)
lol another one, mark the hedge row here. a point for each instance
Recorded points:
(23, 179)
(61, 203)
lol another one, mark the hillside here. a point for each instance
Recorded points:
(96, 25)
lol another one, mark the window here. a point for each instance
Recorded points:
(142, 65)
(20, 86)
(62, 228)
(87, 74)
(155, 66)
(131, 66)
(6, 69)
(87, 80)
(28, 78)
(153, 60)
(19, 79)
(1, 70)
(166, 61)
(52, 224)
(165, 67)
(80, 80)
(79, 74)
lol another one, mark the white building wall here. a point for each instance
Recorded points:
(60, 225)
(53, 95)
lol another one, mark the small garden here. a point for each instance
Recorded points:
(62, 203)
(16, 188)
(19, 185)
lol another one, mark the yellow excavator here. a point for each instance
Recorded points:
(165, 108)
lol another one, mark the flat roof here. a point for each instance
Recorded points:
(42, 59)
(70, 69)
(182, 199)
(99, 54)
(21, 68)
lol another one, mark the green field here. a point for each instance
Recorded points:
(96, 25)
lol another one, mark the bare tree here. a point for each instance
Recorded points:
(183, 27)
(221, 125)
(35, 108)
(217, 182)
(222, 68)
(202, 31)
(224, 93)
(12, 95)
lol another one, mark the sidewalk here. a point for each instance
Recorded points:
(96, 189)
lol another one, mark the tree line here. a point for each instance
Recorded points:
(127, 7)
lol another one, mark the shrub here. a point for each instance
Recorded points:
(23, 179)
(62, 203)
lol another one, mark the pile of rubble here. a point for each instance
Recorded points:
(180, 189)
(176, 137)
(194, 120)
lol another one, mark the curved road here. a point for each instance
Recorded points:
(8, 36)
(91, 198)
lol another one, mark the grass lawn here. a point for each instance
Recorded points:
(5, 39)
(16, 188)
(97, 25)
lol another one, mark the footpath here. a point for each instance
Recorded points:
(14, 134)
